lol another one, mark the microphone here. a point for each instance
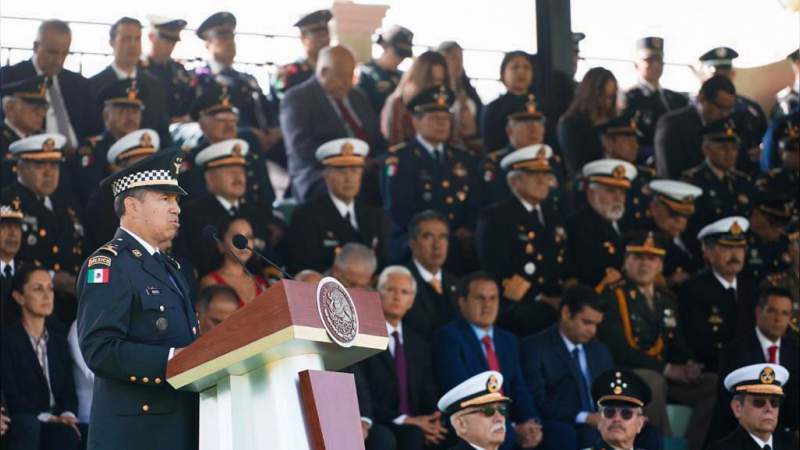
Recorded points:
(240, 242)
(210, 232)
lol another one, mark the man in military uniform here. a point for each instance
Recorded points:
(379, 77)
(786, 178)
(717, 303)
(600, 245)
(788, 99)
(477, 409)
(789, 279)
(427, 173)
(620, 395)
(224, 166)
(671, 206)
(314, 35)
(525, 127)
(122, 114)
(641, 329)
(727, 191)
(10, 242)
(52, 231)
(135, 314)
(24, 109)
(647, 97)
(165, 32)
(127, 150)
(522, 242)
(321, 226)
(751, 122)
(768, 245)
(255, 111)
(757, 392)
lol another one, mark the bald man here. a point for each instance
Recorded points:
(322, 108)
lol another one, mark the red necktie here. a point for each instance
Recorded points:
(352, 123)
(491, 356)
(773, 352)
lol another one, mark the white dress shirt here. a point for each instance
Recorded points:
(427, 276)
(725, 284)
(530, 208)
(432, 149)
(226, 204)
(121, 74)
(3, 265)
(761, 443)
(581, 416)
(766, 344)
(50, 121)
(344, 209)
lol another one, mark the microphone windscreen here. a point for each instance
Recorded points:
(240, 242)
(210, 232)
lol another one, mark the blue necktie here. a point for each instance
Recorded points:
(586, 401)
(160, 258)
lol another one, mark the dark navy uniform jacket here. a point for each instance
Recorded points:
(132, 309)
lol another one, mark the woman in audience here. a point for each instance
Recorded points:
(516, 73)
(231, 273)
(37, 369)
(595, 102)
(429, 69)
(467, 107)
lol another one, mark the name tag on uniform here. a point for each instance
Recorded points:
(152, 291)
(330, 243)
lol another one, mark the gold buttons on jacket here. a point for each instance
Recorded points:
(145, 380)
(133, 379)
(157, 380)
(145, 407)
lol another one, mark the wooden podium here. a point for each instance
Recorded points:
(260, 373)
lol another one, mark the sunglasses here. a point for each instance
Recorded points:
(609, 412)
(489, 411)
(761, 402)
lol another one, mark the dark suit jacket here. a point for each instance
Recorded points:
(579, 143)
(308, 120)
(77, 93)
(746, 350)
(741, 440)
(155, 114)
(24, 383)
(678, 142)
(555, 380)
(382, 379)
(430, 310)
(317, 231)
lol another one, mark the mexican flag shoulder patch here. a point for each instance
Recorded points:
(98, 276)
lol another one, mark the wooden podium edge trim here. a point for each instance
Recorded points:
(289, 333)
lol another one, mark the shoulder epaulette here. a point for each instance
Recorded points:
(394, 148)
(740, 174)
(103, 255)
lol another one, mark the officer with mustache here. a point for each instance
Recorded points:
(620, 395)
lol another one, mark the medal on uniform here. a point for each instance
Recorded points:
(459, 170)
(162, 323)
(32, 240)
(461, 196)
(530, 268)
(529, 249)
(427, 196)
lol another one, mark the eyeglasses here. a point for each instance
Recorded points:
(489, 411)
(609, 412)
(761, 402)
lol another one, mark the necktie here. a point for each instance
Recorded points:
(439, 155)
(491, 356)
(767, 447)
(60, 110)
(7, 272)
(731, 292)
(233, 210)
(402, 374)
(160, 258)
(352, 123)
(586, 402)
(773, 353)
(350, 222)
(436, 284)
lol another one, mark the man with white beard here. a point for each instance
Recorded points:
(595, 232)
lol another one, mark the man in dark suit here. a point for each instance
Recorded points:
(37, 370)
(135, 313)
(717, 304)
(24, 104)
(72, 112)
(10, 243)
(435, 302)
(757, 391)
(767, 343)
(323, 108)
(473, 344)
(125, 38)
(400, 379)
(678, 139)
(321, 226)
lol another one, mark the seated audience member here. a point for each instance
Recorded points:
(24, 108)
(83, 376)
(308, 276)
(472, 344)
(37, 372)
(620, 396)
(516, 74)
(766, 343)
(379, 77)
(225, 165)
(401, 378)
(164, 33)
(233, 270)
(717, 303)
(214, 304)
(468, 106)
(477, 409)
(355, 266)
(768, 243)
(522, 242)
(595, 232)
(642, 329)
(323, 224)
(435, 302)
(10, 242)
(786, 177)
(757, 392)
(789, 279)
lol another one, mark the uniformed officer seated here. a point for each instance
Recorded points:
(10, 243)
(768, 244)
(671, 205)
(164, 34)
(322, 225)
(314, 36)
(620, 395)
(24, 109)
(786, 178)
(477, 409)
(135, 312)
(379, 77)
(757, 392)
(595, 232)
(643, 330)
(788, 99)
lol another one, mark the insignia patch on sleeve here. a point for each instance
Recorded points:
(98, 276)
(99, 261)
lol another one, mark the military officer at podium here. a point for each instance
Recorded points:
(135, 313)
